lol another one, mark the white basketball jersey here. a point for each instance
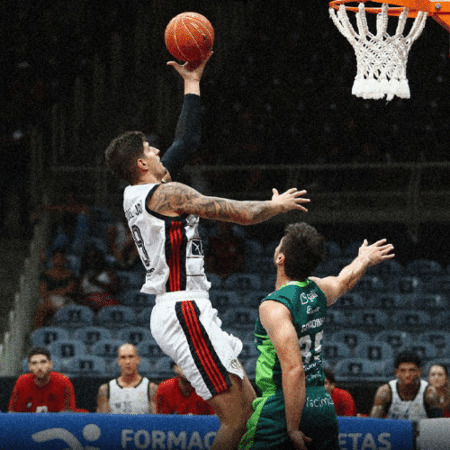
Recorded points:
(170, 247)
(411, 409)
(129, 400)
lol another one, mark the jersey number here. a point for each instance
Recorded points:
(137, 236)
(309, 348)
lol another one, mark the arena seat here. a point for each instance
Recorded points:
(143, 317)
(116, 316)
(356, 369)
(92, 334)
(430, 302)
(395, 338)
(351, 337)
(85, 366)
(135, 335)
(440, 339)
(249, 349)
(73, 316)
(423, 267)
(240, 318)
(375, 351)
(335, 351)
(150, 350)
(411, 319)
(370, 319)
(44, 336)
(425, 350)
(162, 369)
(350, 300)
(65, 349)
(107, 349)
(136, 299)
(243, 281)
(335, 319)
(223, 299)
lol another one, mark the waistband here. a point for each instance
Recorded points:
(181, 295)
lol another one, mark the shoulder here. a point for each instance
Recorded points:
(25, 379)
(60, 378)
(166, 385)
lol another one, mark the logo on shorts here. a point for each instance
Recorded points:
(235, 364)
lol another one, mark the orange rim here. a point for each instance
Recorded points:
(392, 10)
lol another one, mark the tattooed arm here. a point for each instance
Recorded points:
(381, 401)
(174, 199)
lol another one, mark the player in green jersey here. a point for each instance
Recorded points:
(294, 410)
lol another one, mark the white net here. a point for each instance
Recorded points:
(380, 58)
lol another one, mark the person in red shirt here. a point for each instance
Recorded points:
(177, 396)
(344, 404)
(42, 390)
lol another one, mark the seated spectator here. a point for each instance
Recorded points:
(42, 390)
(99, 284)
(131, 393)
(57, 287)
(344, 404)
(122, 251)
(177, 396)
(226, 251)
(438, 377)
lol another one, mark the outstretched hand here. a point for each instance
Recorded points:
(290, 200)
(377, 252)
(190, 71)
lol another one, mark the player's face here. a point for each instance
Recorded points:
(407, 373)
(128, 360)
(40, 366)
(328, 386)
(151, 155)
(437, 377)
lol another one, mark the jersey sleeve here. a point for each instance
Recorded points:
(187, 136)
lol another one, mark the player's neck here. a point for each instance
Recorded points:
(282, 279)
(129, 380)
(40, 382)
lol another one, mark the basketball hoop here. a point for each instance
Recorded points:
(380, 58)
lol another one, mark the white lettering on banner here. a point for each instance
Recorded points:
(349, 441)
(142, 439)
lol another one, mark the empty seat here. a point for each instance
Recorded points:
(440, 340)
(370, 318)
(335, 319)
(162, 368)
(67, 348)
(430, 302)
(411, 319)
(42, 337)
(352, 338)
(86, 366)
(437, 283)
(370, 284)
(243, 281)
(136, 299)
(424, 350)
(92, 334)
(333, 352)
(73, 316)
(149, 349)
(222, 299)
(143, 317)
(386, 301)
(422, 267)
(395, 338)
(241, 318)
(387, 268)
(130, 279)
(350, 300)
(116, 317)
(355, 369)
(409, 284)
(135, 335)
(375, 351)
(106, 348)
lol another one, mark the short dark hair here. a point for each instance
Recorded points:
(39, 351)
(407, 356)
(304, 249)
(329, 374)
(122, 153)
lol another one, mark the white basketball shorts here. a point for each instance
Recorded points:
(190, 333)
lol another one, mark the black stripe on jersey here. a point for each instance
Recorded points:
(213, 372)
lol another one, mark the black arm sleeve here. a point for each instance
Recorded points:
(187, 136)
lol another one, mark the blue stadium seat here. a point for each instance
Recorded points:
(335, 319)
(351, 337)
(350, 300)
(143, 317)
(370, 318)
(387, 269)
(240, 318)
(135, 335)
(437, 284)
(243, 282)
(389, 301)
(86, 366)
(136, 299)
(119, 316)
(370, 284)
(150, 350)
(222, 299)
(44, 336)
(375, 351)
(92, 334)
(333, 352)
(162, 369)
(355, 369)
(67, 348)
(430, 302)
(423, 267)
(424, 350)
(215, 280)
(130, 279)
(395, 338)
(106, 348)
(411, 320)
(73, 316)
(440, 340)
(408, 284)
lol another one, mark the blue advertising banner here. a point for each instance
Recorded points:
(66, 431)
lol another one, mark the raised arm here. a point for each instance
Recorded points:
(277, 321)
(369, 255)
(173, 199)
(432, 403)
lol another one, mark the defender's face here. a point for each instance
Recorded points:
(407, 373)
(40, 366)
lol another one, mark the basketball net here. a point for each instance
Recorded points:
(380, 58)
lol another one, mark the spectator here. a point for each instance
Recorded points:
(99, 284)
(226, 251)
(342, 399)
(131, 393)
(438, 377)
(57, 287)
(122, 251)
(177, 396)
(407, 397)
(42, 390)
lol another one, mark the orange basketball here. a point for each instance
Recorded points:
(189, 36)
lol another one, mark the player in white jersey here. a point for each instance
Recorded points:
(163, 217)
(131, 393)
(407, 397)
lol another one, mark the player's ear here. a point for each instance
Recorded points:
(280, 258)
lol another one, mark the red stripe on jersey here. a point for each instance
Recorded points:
(176, 238)
(202, 349)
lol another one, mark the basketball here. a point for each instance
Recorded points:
(189, 36)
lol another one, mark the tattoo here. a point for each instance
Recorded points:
(181, 199)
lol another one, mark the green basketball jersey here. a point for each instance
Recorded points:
(308, 305)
